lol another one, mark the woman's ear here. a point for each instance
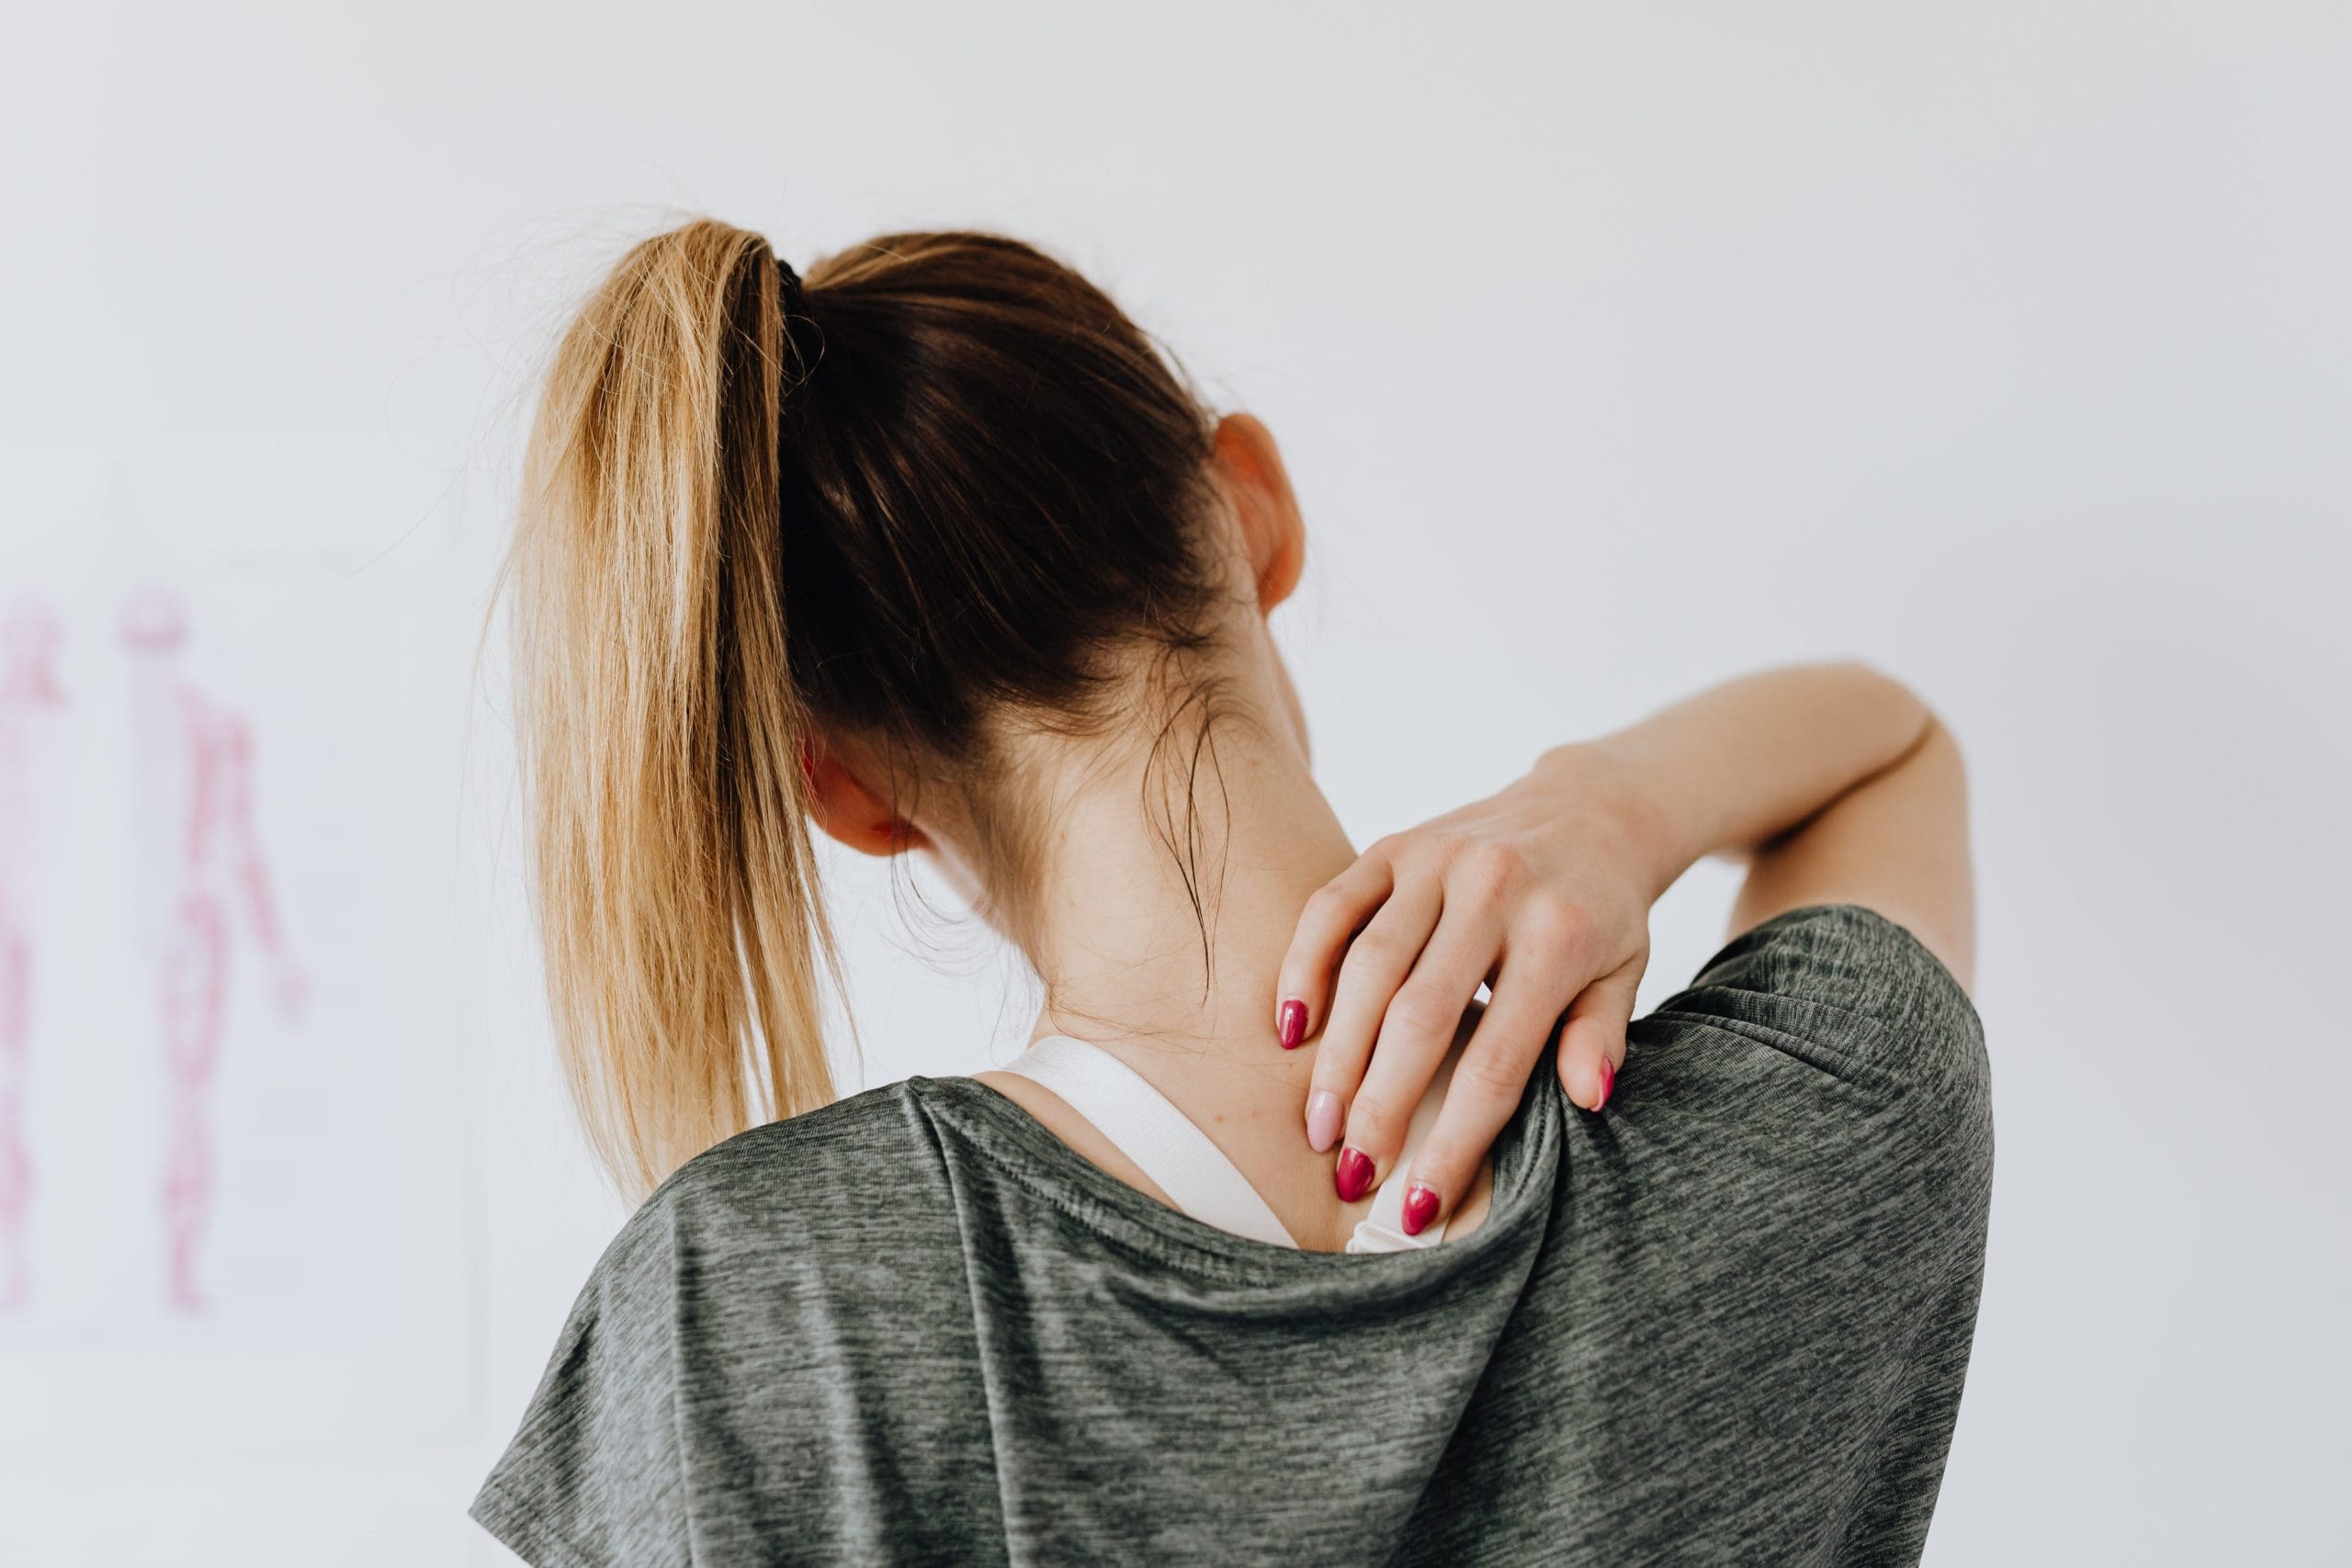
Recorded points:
(847, 810)
(1251, 467)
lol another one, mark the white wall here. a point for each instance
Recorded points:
(1614, 349)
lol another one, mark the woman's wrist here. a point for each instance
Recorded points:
(1722, 772)
(1589, 779)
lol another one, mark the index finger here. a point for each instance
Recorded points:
(1333, 915)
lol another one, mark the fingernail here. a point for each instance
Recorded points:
(1352, 1175)
(1294, 1024)
(1322, 1121)
(1608, 1082)
(1420, 1208)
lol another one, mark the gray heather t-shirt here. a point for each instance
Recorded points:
(1724, 1321)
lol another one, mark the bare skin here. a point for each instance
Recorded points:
(1834, 782)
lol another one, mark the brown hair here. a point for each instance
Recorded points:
(938, 479)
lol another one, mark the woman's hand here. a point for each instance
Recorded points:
(1544, 893)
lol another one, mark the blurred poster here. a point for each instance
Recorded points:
(232, 1089)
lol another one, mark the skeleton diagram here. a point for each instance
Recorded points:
(28, 640)
(196, 771)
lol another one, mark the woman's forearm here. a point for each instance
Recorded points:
(1739, 764)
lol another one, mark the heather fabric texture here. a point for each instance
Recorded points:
(1726, 1320)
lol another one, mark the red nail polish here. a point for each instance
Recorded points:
(1352, 1175)
(1420, 1208)
(1294, 1024)
(1608, 1082)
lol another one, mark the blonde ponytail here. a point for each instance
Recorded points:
(676, 891)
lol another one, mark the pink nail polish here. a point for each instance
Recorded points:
(1608, 1082)
(1294, 1024)
(1420, 1208)
(1352, 1175)
(1322, 1121)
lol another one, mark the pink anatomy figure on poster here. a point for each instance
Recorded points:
(196, 767)
(28, 639)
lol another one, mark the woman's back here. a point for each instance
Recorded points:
(1727, 1320)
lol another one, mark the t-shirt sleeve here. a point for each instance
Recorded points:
(1814, 1130)
(593, 1476)
(1850, 992)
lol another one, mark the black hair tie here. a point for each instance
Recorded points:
(795, 302)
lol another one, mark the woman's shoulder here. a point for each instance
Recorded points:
(839, 1175)
(753, 1281)
(1835, 1014)
(1842, 981)
(1823, 1076)
(853, 1131)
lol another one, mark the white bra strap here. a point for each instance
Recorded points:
(1149, 1129)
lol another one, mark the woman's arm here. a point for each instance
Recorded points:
(1836, 783)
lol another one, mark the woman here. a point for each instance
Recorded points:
(933, 550)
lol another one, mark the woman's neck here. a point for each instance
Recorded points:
(1116, 935)
(1144, 953)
